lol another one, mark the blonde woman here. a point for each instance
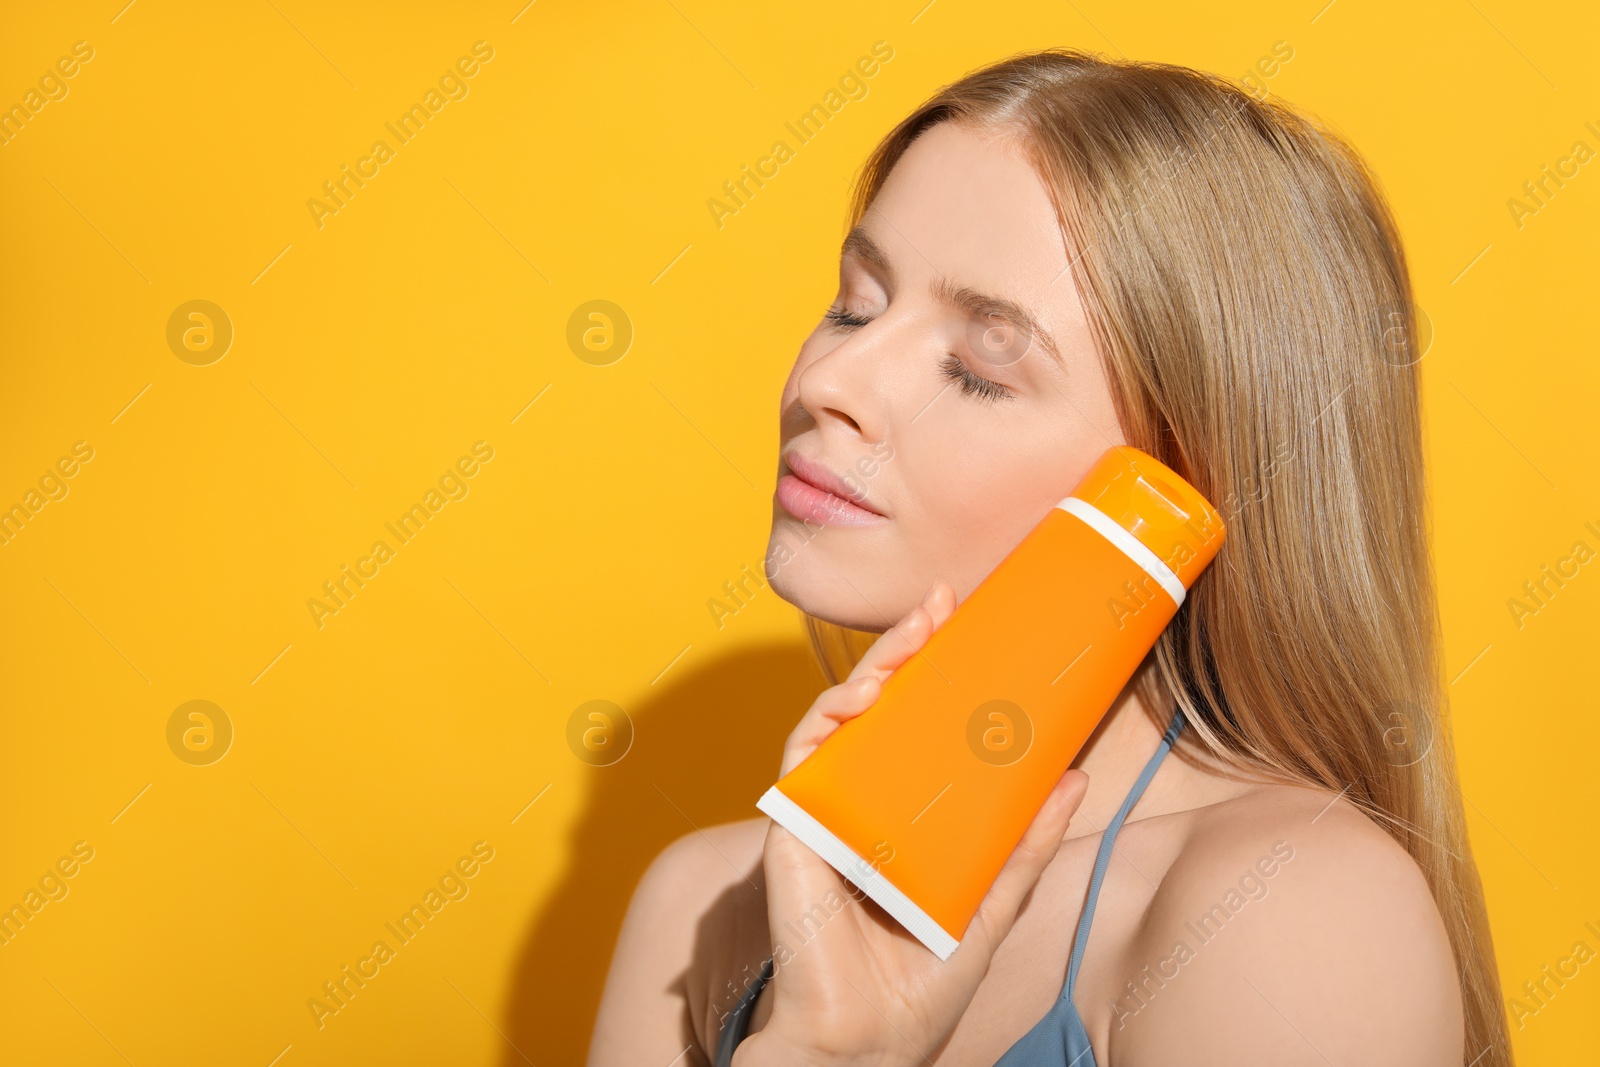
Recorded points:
(1053, 255)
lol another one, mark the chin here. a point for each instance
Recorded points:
(814, 580)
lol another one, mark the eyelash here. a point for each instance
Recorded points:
(951, 366)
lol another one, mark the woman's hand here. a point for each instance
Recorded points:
(862, 990)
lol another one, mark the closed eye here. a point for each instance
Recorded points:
(842, 318)
(950, 366)
(971, 384)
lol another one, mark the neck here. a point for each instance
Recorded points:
(1113, 758)
(1115, 754)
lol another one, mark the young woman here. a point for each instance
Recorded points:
(1053, 255)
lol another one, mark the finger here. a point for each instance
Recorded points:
(861, 690)
(902, 640)
(940, 601)
(836, 705)
(851, 700)
(796, 877)
(1039, 844)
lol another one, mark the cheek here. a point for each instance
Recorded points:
(961, 504)
(965, 473)
(975, 502)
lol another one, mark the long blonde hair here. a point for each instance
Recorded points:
(1248, 295)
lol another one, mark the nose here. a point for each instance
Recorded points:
(845, 388)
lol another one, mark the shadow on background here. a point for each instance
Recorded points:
(712, 743)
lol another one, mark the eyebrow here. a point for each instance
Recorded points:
(961, 297)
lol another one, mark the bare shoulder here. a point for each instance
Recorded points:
(1291, 928)
(703, 861)
(694, 914)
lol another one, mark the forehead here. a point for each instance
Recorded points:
(969, 205)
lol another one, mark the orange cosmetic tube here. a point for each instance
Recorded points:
(921, 799)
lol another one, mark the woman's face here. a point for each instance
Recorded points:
(952, 421)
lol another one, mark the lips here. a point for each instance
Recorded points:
(813, 491)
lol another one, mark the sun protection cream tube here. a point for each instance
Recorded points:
(921, 799)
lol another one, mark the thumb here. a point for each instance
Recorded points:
(998, 911)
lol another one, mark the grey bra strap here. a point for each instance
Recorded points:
(1108, 841)
(738, 1024)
